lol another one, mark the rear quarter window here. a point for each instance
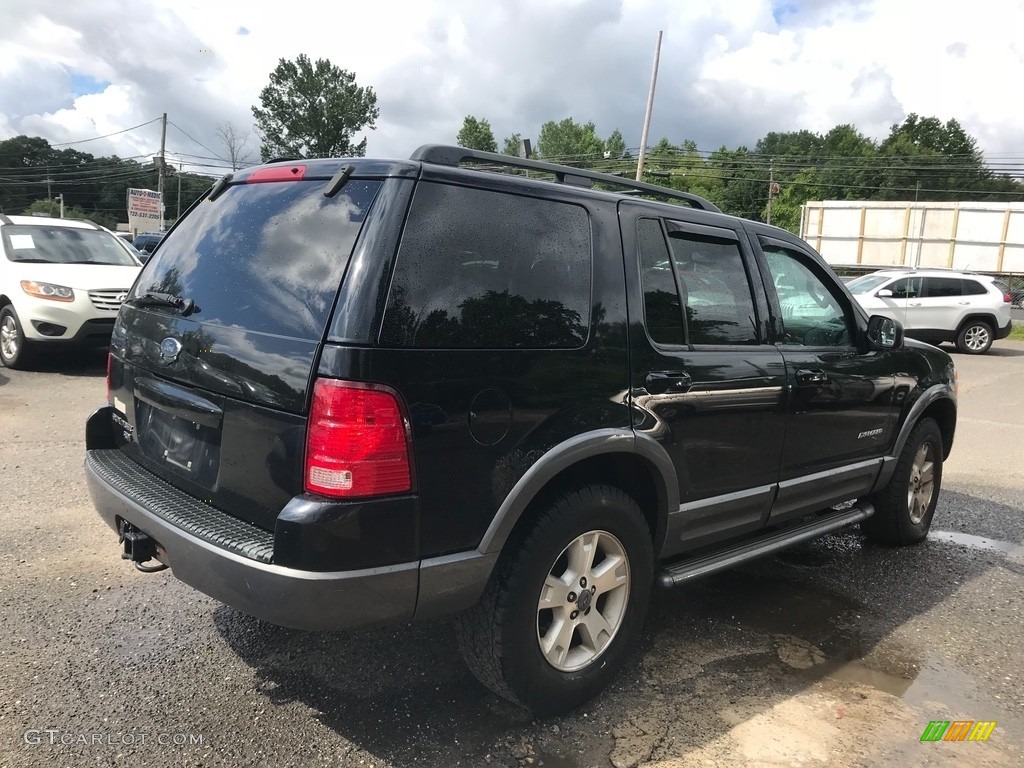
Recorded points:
(483, 269)
(972, 288)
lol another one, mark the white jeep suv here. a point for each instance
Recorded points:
(61, 280)
(937, 305)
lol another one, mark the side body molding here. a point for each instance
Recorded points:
(564, 455)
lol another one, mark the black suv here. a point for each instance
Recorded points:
(347, 392)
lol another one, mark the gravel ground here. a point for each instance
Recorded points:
(838, 653)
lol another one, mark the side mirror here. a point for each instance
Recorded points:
(885, 293)
(884, 332)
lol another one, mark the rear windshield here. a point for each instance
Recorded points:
(264, 257)
(63, 245)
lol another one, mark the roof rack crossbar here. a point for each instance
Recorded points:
(442, 154)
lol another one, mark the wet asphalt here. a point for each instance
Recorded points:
(102, 665)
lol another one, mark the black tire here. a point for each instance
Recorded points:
(903, 514)
(500, 638)
(15, 351)
(975, 337)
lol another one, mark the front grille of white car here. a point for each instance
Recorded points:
(107, 300)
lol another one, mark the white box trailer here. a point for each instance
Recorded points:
(869, 234)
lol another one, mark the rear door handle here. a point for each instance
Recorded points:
(915, 304)
(811, 378)
(665, 382)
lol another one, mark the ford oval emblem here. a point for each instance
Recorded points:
(169, 349)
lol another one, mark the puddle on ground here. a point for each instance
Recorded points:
(928, 686)
(976, 542)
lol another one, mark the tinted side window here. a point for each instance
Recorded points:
(972, 288)
(906, 288)
(719, 306)
(482, 269)
(662, 311)
(941, 286)
(811, 314)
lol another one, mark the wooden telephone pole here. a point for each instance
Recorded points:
(647, 116)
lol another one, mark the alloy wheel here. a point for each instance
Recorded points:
(583, 601)
(9, 338)
(922, 483)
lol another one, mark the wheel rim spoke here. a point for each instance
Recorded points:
(581, 556)
(595, 631)
(558, 640)
(554, 593)
(610, 574)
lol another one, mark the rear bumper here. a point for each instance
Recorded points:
(284, 596)
(1004, 331)
(234, 562)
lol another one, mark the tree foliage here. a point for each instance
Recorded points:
(570, 142)
(511, 145)
(921, 158)
(52, 208)
(95, 186)
(615, 146)
(313, 109)
(476, 134)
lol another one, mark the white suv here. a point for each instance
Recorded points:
(61, 280)
(937, 305)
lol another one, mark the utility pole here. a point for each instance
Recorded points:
(650, 108)
(49, 194)
(61, 198)
(160, 177)
(180, 167)
(771, 189)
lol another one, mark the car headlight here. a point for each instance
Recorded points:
(47, 291)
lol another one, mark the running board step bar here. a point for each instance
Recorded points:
(731, 556)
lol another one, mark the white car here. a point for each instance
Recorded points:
(61, 280)
(937, 305)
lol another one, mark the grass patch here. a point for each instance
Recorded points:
(1017, 332)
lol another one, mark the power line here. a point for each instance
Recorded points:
(196, 141)
(105, 136)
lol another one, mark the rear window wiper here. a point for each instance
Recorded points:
(152, 299)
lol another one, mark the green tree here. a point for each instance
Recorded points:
(940, 158)
(52, 208)
(313, 109)
(477, 134)
(569, 142)
(511, 145)
(615, 145)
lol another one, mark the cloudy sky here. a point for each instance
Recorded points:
(731, 70)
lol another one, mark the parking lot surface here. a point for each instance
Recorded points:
(838, 653)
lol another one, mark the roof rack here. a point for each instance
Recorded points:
(442, 154)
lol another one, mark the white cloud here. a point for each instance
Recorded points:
(730, 72)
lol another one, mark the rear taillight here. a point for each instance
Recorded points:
(1007, 298)
(357, 441)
